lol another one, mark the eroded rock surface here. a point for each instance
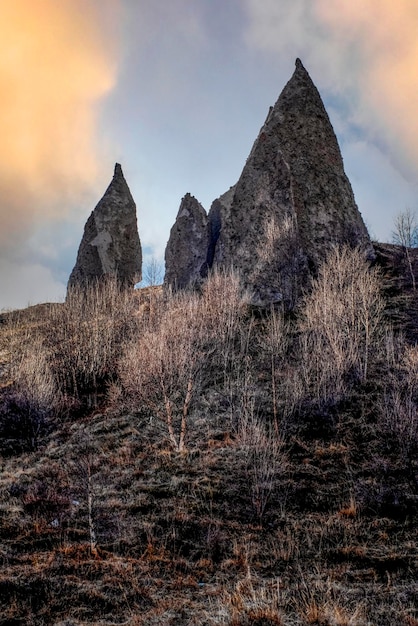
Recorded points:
(186, 255)
(110, 245)
(293, 200)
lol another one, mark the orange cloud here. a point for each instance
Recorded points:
(57, 63)
(383, 36)
(365, 50)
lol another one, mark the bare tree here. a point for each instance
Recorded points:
(162, 371)
(280, 259)
(399, 408)
(85, 337)
(84, 472)
(341, 323)
(86, 469)
(406, 235)
(265, 455)
(274, 344)
(153, 273)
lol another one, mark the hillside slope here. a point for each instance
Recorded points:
(295, 497)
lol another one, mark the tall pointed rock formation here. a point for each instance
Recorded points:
(110, 245)
(187, 248)
(293, 200)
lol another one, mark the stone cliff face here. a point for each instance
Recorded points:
(110, 245)
(186, 255)
(293, 200)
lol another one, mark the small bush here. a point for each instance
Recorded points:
(281, 262)
(85, 338)
(30, 402)
(341, 325)
(48, 496)
(250, 604)
(62, 356)
(399, 410)
(20, 428)
(164, 369)
(277, 360)
(266, 459)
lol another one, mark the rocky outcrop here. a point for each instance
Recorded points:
(219, 214)
(293, 200)
(291, 204)
(186, 255)
(110, 245)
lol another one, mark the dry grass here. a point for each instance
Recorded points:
(279, 511)
(166, 366)
(341, 324)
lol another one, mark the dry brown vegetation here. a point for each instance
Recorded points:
(185, 459)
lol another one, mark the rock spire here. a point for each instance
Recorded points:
(110, 245)
(187, 249)
(291, 204)
(293, 200)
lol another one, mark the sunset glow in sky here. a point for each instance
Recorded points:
(177, 92)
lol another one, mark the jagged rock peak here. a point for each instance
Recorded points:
(293, 200)
(187, 248)
(110, 245)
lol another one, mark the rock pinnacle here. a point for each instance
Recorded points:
(293, 200)
(110, 245)
(187, 249)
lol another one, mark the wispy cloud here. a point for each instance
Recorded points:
(365, 51)
(56, 65)
(383, 36)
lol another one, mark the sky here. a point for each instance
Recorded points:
(177, 91)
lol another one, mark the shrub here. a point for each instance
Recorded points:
(266, 459)
(85, 338)
(399, 409)
(341, 324)
(281, 262)
(167, 365)
(62, 355)
(276, 360)
(47, 497)
(30, 401)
